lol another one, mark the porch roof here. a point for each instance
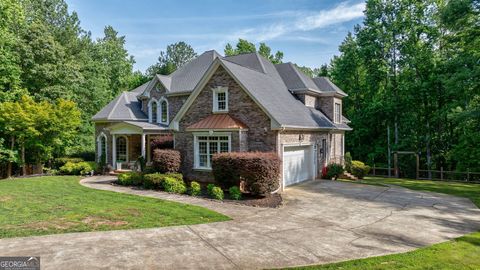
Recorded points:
(137, 127)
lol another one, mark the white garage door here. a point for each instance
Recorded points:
(297, 164)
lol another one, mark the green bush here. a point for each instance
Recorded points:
(195, 189)
(177, 176)
(59, 162)
(153, 180)
(79, 168)
(130, 179)
(171, 184)
(359, 169)
(348, 162)
(216, 193)
(334, 170)
(209, 189)
(235, 193)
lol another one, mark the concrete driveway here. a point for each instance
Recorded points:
(321, 222)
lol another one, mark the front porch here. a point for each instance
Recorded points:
(131, 140)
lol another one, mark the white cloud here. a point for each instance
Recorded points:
(343, 12)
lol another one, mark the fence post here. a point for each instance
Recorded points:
(374, 169)
(441, 173)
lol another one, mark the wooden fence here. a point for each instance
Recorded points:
(468, 176)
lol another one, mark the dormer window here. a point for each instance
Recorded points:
(153, 111)
(220, 99)
(337, 113)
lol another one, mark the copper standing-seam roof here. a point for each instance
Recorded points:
(218, 121)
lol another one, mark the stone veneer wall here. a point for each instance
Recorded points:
(258, 138)
(326, 105)
(174, 102)
(308, 100)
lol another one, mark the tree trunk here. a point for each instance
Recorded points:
(24, 168)
(9, 165)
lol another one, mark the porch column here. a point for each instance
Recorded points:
(114, 151)
(143, 145)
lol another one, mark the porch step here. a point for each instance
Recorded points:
(117, 172)
(347, 175)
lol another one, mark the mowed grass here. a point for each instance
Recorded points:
(461, 253)
(59, 204)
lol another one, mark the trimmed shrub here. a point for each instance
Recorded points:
(235, 193)
(162, 142)
(210, 188)
(359, 169)
(334, 170)
(177, 176)
(195, 189)
(166, 161)
(348, 162)
(130, 179)
(225, 169)
(217, 193)
(259, 170)
(79, 168)
(153, 180)
(173, 185)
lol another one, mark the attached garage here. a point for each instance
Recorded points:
(298, 164)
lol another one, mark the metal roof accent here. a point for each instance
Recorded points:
(218, 121)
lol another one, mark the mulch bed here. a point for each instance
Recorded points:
(270, 201)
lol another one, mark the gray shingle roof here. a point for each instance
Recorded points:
(269, 85)
(325, 85)
(124, 107)
(275, 98)
(296, 80)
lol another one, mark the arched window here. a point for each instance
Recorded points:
(164, 111)
(102, 147)
(154, 112)
(122, 149)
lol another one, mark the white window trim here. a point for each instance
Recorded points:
(150, 118)
(116, 147)
(99, 146)
(335, 119)
(159, 109)
(217, 90)
(196, 156)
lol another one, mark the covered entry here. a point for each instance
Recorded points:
(298, 164)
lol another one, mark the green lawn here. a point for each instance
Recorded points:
(461, 253)
(59, 204)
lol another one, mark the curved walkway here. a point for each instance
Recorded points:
(320, 222)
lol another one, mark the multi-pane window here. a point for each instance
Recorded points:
(207, 146)
(164, 111)
(121, 146)
(337, 114)
(154, 112)
(103, 149)
(220, 99)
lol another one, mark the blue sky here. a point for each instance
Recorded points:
(307, 31)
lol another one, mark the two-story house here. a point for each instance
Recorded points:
(223, 104)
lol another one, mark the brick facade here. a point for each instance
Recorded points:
(259, 136)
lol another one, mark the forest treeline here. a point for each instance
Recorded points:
(414, 67)
(411, 67)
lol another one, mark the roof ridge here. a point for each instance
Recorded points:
(223, 59)
(116, 104)
(297, 72)
(259, 57)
